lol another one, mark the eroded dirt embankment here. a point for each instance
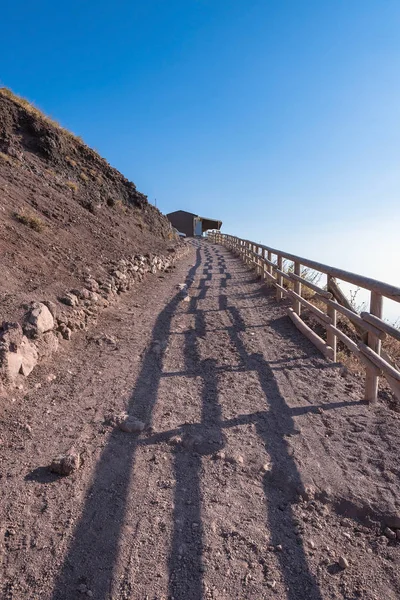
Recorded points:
(74, 232)
(260, 474)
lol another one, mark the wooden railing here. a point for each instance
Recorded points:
(268, 263)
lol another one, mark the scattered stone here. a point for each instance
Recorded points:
(39, 319)
(307, 492)
(66, 332)
(279, 548)
(311, 543)
(271, 584)
(109, 339)
(92, 285)
(93, 297)
(11, 364)
(390, 534)
(119, 275)
(65, 464)
(343, 562)
(47, 344)
(175, 440)
(235, 459)
(17, 353)
(130, 424)
(186, 298)
(70, 299)
(82, 294)
(220, 455)
(52, 307)
(82, 588)
(10, 340)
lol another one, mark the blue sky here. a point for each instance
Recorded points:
(281, 118)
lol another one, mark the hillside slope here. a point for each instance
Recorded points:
(74, 233)
(64, 211)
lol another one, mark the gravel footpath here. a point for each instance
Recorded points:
(259, 474)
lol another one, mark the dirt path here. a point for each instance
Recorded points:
(259, 470)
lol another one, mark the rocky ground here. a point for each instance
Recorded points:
(212, 453)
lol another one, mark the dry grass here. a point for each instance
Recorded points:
(83, 176)
(71, 161)
(119, 205)
(6, 158)
(72, 186)
(30, 220)
(392, 347)
(33, 110)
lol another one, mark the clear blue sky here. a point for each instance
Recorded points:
(282, 118)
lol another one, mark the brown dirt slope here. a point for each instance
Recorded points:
(64, 211)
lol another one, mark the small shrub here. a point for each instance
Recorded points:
(30, 220)
(83, 176)
(72, 186)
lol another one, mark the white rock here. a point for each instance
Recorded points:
(131, 425)
(29, 356)
(13, 362)
(41, 318)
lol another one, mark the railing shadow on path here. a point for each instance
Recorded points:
(93, 552)
(186, 558)
(283, 483)
(94, 549)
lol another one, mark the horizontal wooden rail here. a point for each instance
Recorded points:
(310, 334)
(387, 290)
(352, 316)
(270, 265)
(382, 325)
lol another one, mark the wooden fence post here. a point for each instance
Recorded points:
(279, 279)
(264, 265)
(372, 380)
(297, 289)
(259, 264)
(332, 313)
